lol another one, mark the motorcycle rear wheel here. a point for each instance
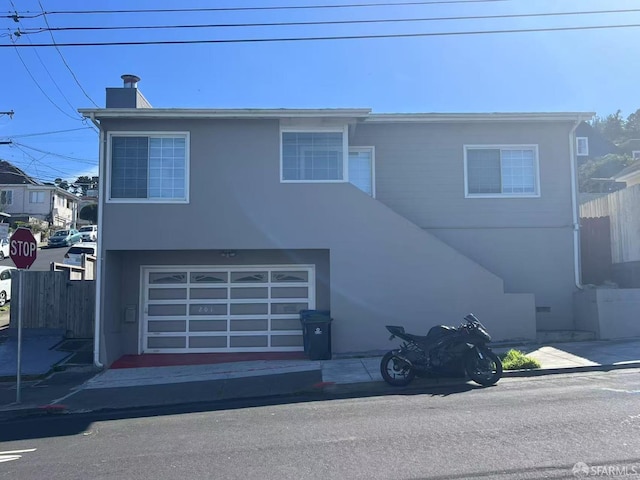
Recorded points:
(395, 371)
(484, 371)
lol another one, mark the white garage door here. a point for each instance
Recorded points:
(222, 309)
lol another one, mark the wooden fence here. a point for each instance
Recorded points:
(51, 300)
(595, 249)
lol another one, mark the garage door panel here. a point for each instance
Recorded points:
(167, 310)
(167, 294)
(167, 326)
(208, 342)
(209, 309)
(162, 342)
(208, 293)
(249, 308)
(208, 325)
(251, 341)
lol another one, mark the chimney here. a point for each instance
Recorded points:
(130, 81)
(128, 96)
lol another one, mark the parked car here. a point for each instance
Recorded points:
(74, 254)
(89, 233)
(5, 284)
(65, 238)
(4, 248)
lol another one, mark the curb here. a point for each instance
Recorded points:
(538, 372)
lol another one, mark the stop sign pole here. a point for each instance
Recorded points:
(23, 250)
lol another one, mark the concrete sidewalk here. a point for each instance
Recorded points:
(129, 388)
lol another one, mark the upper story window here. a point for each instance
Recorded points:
(150, 167)
(501, 171)
(635, 154)
(36, 197)
(361, 169)
(6, 197)
(314, 156)
(582, 146)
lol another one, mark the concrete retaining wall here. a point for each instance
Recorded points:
(610, 312)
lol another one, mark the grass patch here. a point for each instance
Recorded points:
(516, 360)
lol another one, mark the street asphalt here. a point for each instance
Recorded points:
(86, 389)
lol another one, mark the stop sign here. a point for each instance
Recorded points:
(23, 248)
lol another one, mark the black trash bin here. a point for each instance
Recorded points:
(316, 333)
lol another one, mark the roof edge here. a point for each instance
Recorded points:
(224, 113)
(480, 117)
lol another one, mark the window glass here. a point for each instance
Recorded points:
(502, 171)
(36, 197)
(149, 167)
(312, 156)
(360, 170)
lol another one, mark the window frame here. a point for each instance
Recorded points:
(32, 192)
(501, 147)
(635, 154)
(372, 150)
(586, 143)
(9, 191)
(314, 129)
(150, 134)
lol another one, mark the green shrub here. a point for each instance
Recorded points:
(516, 360)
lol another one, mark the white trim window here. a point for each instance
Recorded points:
(313, 155)
(362, 169)
(148, 167)
(501, 171)
(36, 197)
(635, 154)
(6, 197)
(582, 146)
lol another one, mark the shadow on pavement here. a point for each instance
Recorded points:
(43, 424)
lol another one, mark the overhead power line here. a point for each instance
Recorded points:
(44, 16)
(24, 135)
(244, 9)
(29, 31)
(66, 157)
(340, 37)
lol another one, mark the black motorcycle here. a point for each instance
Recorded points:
(443, 352)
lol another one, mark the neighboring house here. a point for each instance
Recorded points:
(217, 227)
(592, 144)
(22, 196)
(631, 147)
(629, 175)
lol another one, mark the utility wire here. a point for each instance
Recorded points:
(244, 9)
(44, 16)
(39, 87)
(66, 157)
(341, 37)
(29, 31)
(42, 163)
(24, 135)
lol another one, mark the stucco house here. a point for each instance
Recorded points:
(238, 219)
(25, 197)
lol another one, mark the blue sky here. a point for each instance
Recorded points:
(586, 70)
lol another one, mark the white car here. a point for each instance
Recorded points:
(74, 254)
(89, 233)
(5, 283)
(4, 248)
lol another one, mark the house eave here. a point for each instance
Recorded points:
(479, 117)
(180, 113)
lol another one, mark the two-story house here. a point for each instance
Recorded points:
(23, 197)
(218, 226)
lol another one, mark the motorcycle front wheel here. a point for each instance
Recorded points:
(485, 371)
(395, 371)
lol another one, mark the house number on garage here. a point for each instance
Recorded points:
(205, 309)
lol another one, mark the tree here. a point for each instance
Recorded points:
(60, 183)
(85, 183)
(611, 127)
(603, 167)
(90, 213)
(632, 125)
